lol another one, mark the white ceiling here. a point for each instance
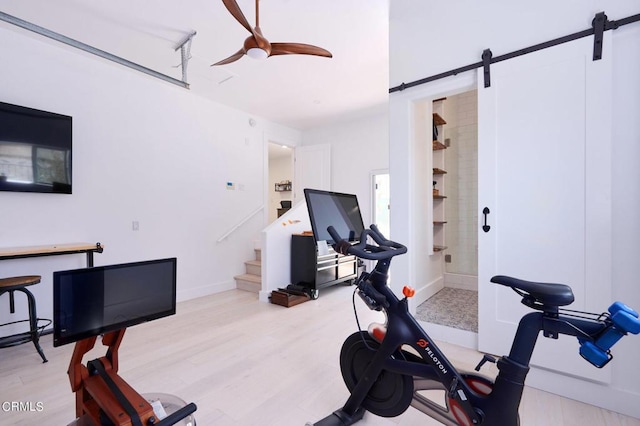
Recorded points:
(299, 91)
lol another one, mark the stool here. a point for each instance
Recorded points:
(12, 285)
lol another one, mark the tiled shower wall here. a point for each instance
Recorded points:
(461, 183)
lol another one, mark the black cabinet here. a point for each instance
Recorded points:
(316, 272)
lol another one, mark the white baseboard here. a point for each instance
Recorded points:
(423, 293)
(460, 281)
(205, 290)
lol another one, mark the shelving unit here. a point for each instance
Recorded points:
(438, 176)
(283, 187)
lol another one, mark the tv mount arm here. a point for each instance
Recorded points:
(101, 392)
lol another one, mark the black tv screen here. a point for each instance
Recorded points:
(35, 150)
(92, 301)
(334, 209)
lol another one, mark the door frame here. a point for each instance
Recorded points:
(266, 140)
(372, 177)
(410, 220)
(269, 187)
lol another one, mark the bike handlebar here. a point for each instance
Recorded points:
(385, 249)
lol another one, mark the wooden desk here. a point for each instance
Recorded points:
(52, 250)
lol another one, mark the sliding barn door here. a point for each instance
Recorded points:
(544, 176)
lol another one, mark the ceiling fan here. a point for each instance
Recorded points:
(258, 47)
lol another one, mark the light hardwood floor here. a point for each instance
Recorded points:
(245, 363)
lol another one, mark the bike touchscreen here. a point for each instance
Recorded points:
(334, 209)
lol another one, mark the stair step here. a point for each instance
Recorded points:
(253, 267)
(249, 282)
(258, 254)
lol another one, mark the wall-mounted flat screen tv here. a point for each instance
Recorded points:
(335, 209)
(35, 150)
(92, 301)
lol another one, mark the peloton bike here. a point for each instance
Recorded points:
(387, 366)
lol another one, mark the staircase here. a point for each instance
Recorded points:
(252, 279)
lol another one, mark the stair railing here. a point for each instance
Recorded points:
(242, 222)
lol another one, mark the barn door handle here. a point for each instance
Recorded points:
(485, 212)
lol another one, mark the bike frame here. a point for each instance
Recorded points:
(500, 406)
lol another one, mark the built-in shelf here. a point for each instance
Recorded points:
(437, 120)
(438, 176)
(437, 146)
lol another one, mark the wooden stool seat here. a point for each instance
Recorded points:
(11, 285)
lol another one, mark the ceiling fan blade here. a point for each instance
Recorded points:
(239, 54)
(235, 10)
(298, 49)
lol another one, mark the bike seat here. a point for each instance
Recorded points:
(547, 294)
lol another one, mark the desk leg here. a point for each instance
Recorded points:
(89, 259)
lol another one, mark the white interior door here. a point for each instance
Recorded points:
(312, 169)
(544, 157)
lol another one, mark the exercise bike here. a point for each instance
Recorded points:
(386, 367)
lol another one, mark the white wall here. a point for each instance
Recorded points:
(143, 150)
(357, 148)
(505, 26)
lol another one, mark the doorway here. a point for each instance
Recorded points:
(381, 206)
(280, 180)
(455, 214)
